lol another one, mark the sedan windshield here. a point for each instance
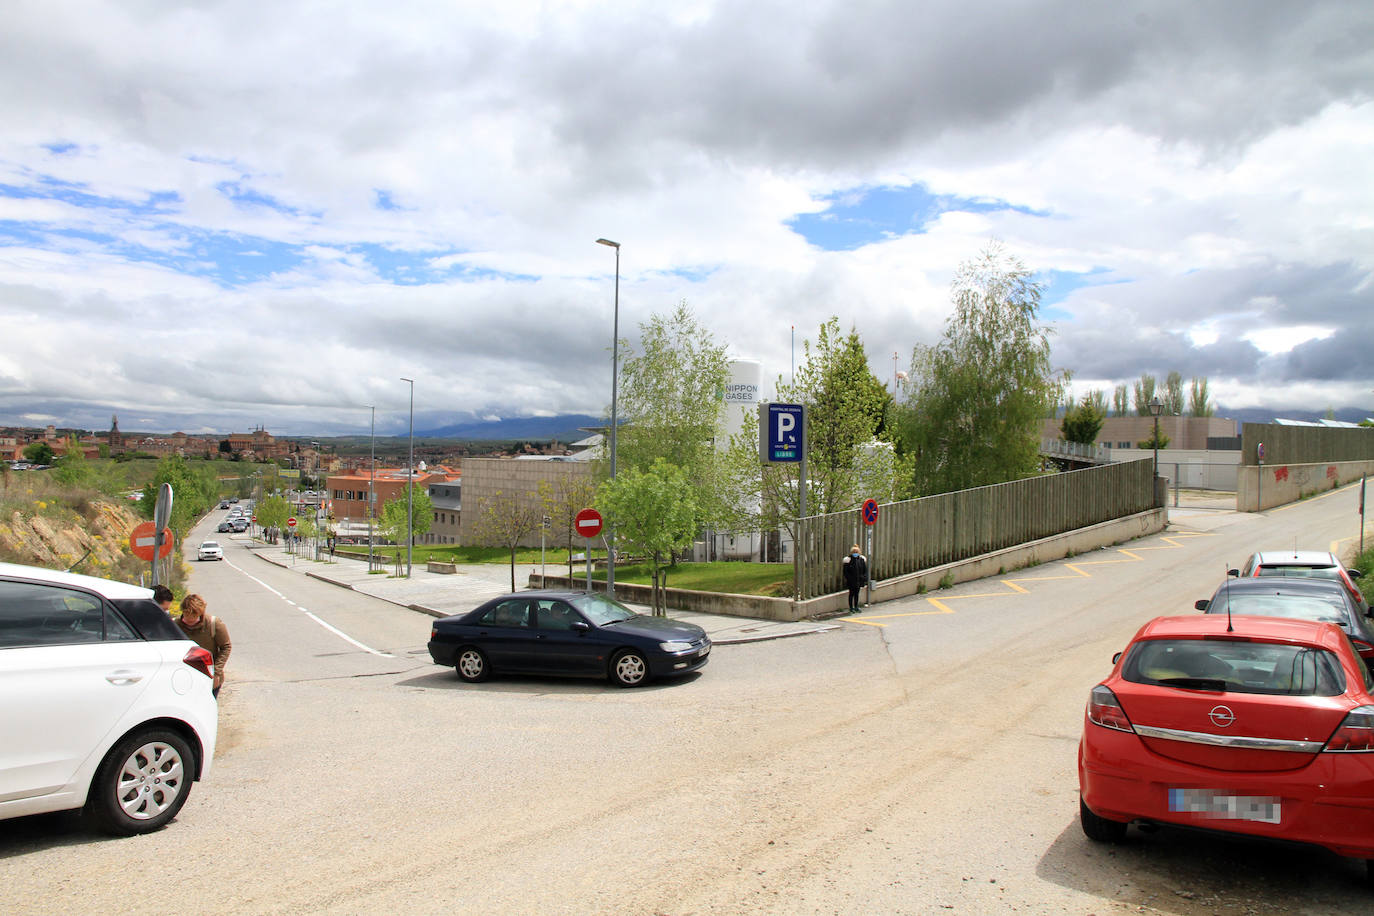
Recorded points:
(601, 610)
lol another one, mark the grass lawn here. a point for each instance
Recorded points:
(769, 579)
(451, 553)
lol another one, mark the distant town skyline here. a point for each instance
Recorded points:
(250, 214)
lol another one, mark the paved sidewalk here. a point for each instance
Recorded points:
(442, 594)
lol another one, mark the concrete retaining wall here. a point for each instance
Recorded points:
(1259, 488)
(1042, 551)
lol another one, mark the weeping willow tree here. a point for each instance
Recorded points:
(973, 413)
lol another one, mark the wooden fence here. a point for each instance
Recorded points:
(922, 533)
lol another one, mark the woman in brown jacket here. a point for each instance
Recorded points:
(208, 632)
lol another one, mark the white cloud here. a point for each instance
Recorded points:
(189, 182)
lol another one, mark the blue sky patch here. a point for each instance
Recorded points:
(857, 218)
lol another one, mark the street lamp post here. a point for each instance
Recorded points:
(1156, 408)
(371, 477)
(410, 482)
(615, 386)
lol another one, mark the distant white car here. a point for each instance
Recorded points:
(104, 703)
(209, 550)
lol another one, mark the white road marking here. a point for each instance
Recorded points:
(333, 629)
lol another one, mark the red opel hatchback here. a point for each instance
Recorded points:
(1255, 725)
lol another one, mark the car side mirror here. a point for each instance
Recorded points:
(1353, 573)
(580, 626)
(1202, 604)
(1234, 573)
(1116, 658)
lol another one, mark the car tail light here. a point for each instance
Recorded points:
(201, 660)
(1356, 734)
(433, 632)
(1104, 710)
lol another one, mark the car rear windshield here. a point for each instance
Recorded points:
(1235, 665)
(1302, 607)
(1301, 572)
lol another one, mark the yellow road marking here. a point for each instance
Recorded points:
(1172, 540)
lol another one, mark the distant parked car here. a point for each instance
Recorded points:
(104, 703)
(224, 504)
(209, 550)
(1310, 599)
(1260, 726)
(567, 633)
(224, 527)
(1302, 564)
(238, 525)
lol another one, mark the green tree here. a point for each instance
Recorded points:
(73, 470)
(1199, 404)
(393, 521)
(1173, 394)
(670, 403)
(1150, 443)
(1121, 401)
(1083, 421)
(38, 453)
(847, 409)
(272, 512)
(194, 491)
(1144, 391)
(505, 521)
(654, 515)
(978, 396)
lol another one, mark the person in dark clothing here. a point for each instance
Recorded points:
(854, 568)
(164, 597)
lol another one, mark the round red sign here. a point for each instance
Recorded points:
(291, 521)
(143, 543)
(588, 523)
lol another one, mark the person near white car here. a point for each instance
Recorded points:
(208, 632)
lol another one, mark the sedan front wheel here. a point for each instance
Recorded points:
(629, 669)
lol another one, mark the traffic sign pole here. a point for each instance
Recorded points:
(587, 523)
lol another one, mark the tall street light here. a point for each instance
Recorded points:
(615, 378)
(1156, 408)
(371, 477)
(410, 481)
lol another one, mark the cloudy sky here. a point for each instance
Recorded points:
(219, 215)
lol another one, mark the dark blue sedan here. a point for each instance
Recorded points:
(566, 633)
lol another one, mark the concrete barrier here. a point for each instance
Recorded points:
(438, 566)
(1270, 485)
(1044, 550)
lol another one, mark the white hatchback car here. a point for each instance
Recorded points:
(209, 550)
(104, 703)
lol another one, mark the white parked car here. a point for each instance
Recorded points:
(104, 703)
(209, 550)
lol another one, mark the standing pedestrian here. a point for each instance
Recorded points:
(163, 596)
(854, 568)
(208, 632)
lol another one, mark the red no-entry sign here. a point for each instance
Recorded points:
(291, 522)
(588, 523)
(143, 542)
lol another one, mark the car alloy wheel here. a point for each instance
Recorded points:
(628, 669)
(143, 782)
(472, 665)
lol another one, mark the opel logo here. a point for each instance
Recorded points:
(1221, 716)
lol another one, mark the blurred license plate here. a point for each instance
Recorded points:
(1262, 808)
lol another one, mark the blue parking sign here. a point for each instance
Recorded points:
(782, 432)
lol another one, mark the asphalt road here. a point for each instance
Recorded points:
(918, 760)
